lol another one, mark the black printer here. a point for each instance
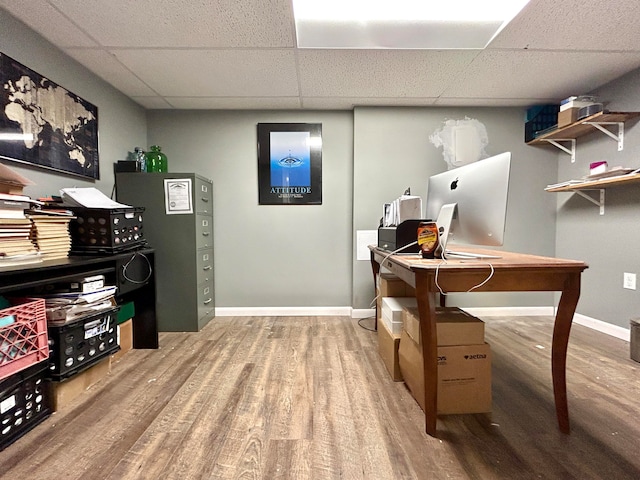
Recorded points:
(396, 237)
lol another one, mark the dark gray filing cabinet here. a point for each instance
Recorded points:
(183, 245)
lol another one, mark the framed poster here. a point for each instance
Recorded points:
(290, 163)
(44, 125)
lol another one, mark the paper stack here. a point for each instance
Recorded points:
(50, 232)
(67, 307)
(16, 247)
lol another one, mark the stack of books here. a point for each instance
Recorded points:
(50, 232)
(16, 245)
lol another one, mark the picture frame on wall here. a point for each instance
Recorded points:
(290, 163)
(44, 125)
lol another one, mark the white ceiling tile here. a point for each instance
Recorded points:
(230, 103)
(176, 23)
(500, 74)
(107, 67)
(574, 25)
(492, 102)
(379, 73)
(209, 73)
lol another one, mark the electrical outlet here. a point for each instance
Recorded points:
(629, 281)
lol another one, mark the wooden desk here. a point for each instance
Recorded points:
(512, 272)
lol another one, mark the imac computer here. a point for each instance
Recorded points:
(469, 204)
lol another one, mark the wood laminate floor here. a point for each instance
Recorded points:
(309, 398)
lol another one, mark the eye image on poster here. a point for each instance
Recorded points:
(290, 163)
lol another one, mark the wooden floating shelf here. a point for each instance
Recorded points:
(583, 127)
(598, 184)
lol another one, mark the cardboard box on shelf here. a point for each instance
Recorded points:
(388, 344)
(454, 326)
(125, 339)
(568, 116)
(68, 390)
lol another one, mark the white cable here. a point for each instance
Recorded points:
(124, 268)
(442, 292)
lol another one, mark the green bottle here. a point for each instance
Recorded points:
(156, 160)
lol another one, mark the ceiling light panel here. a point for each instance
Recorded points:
(401, 24)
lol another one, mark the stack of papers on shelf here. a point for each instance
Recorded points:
(67, 307)
(88, 198)
(564, 184)
(50, 233)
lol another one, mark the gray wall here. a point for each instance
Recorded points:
(267, 255)
(392, 152)
(122, 123)
(608, 243)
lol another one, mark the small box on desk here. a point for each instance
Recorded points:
(96, 230)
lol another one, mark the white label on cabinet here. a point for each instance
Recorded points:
(205, 223)
(205, 257)
(177, 196)
(205, 189)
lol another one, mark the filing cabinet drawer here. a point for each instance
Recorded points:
(203, 192)
(204, 265)
(206, 302)
(204, 231)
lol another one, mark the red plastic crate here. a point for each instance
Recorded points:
(25, 342)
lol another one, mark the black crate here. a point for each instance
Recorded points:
(25, 401)
(79, 345)
(96, 230)
(540, 118)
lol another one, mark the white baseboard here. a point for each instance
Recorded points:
(604, 327)
(595, 324)
(282, 311)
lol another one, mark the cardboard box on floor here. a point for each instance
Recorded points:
(464, 371)
(391, 286)
(125, 339)
(63, 393)
(388, 344)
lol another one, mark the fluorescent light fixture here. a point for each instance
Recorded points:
(464, 24)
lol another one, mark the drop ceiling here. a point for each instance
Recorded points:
(241, 54)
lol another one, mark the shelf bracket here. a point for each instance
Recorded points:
(618, 138)
(571, 151)
(592, 200)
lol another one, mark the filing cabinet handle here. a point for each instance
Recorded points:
(207, 301)
(206, 234)
(208, 267)
(205, 199)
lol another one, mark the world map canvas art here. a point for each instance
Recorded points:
(43, 124)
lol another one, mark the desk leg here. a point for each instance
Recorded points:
(561, 330)
(426, 297)
(375, 266)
